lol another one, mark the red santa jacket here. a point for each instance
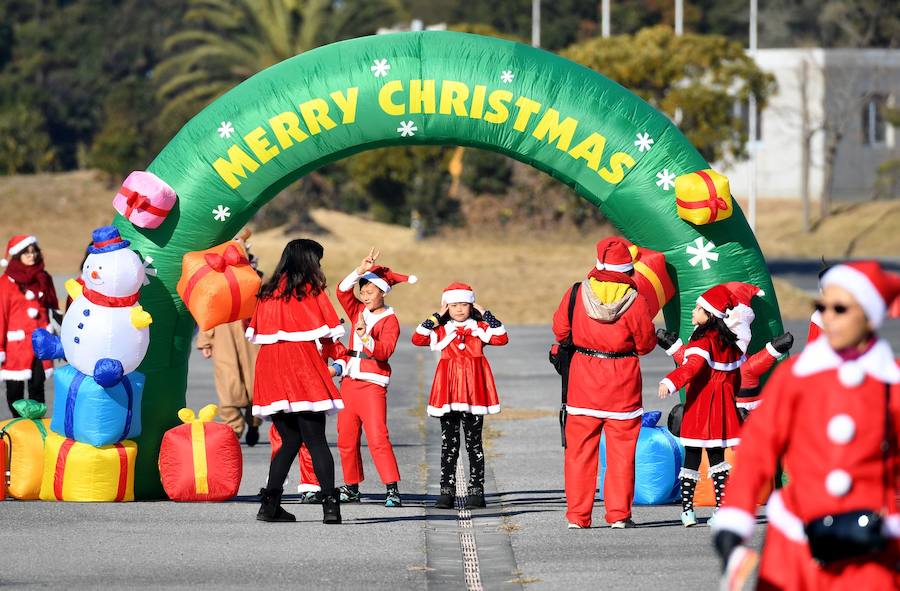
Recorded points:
(367, 359)
(825, 417)
(20, 315)
(605, 388)
(310, 319)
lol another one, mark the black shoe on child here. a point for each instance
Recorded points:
(252, 436)
(475, 498)
(445, 500)
(331, 508)
(271, 510)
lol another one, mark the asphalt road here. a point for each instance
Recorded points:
(520, 540)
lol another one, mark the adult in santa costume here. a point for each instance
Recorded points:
(463, 390)
(831, 415)
(27, 298)
(293, 384)
(611, 326)
(710, 371)
(366, 374)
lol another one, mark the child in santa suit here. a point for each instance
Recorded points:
(463, 390)
(27, 298)
(366, 374)
(611, 326)
(292, 384)
(831, 415)
(710, 371)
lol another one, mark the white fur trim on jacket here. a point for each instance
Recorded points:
(333, 333)
(878, 362)
(773, 351)
(714, 364)
(674, 348)
(15, 335)
(751, 405)
(348, 282)
(669, 384)
(734, 520)
(782, 519)
(327, 406)
(15, 375)
(604, 414)
(2, 356)
(439, 411)
(709, 442)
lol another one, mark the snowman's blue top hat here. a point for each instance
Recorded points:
(107, 239)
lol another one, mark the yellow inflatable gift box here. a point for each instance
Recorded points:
(26, 438)
(80, 472)
(703, 197)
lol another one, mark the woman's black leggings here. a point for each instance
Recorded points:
(694, 455)
(297, 428)
(15, 389)
(472, 427)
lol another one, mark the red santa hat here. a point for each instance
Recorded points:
(744, 292)
(458, 293)
(741, 315)
(872, 287)
(614, 260)
(717, 301)
(16, 245)
(384, 279)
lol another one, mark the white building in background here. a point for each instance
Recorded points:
(838, 92)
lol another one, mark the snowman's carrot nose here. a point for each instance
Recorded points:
(95, 275)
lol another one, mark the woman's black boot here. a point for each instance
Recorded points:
(270, 509)
(331, 508)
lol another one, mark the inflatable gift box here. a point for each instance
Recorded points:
(705, 494)
(145, 199)
(218, 285)
(89, 413)
(703, 197)
(657, 463)
(24, 439)
(200, 460)
(652, 277)
(79, 472)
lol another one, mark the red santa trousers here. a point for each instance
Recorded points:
(365, 409)
(787, 565)
(582, 457)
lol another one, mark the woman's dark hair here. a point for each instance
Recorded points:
(298, 273)
(38, 255)
(721, 330)
(474, 315)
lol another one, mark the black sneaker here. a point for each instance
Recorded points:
(445, 500)
(475, 501)
(348, 494)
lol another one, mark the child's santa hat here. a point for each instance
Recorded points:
(458, 293)
(872, 287)
(16, 245)
(384, 279)
(106, 239)
(717, 301)
(613, 261)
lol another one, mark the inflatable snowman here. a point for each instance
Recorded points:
(105, 332)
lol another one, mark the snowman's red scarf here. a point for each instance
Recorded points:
(109, 301)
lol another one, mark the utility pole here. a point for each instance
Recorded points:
(535, 23)
(752, 122)
(679, 17)
(604, 18)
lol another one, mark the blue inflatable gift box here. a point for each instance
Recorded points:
(88, 413)
(657, 463)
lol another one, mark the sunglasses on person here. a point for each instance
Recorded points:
(837, 308)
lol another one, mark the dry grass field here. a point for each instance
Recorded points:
(526, 273)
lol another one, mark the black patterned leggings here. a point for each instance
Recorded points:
(472, 427)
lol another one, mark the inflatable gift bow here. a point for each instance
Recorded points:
(230, 258)
(29, 409)
(703, 197)
(198, 442)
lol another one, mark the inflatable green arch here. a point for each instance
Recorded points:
(423, 88)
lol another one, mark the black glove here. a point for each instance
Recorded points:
(783, 342)
(429, 324)
(491, 319)
(666, 339)
(725, 542)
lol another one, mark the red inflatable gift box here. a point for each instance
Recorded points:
(200, 460)
(652, 278)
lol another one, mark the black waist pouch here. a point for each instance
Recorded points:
(847, 535)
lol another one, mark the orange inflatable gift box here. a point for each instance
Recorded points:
(652, 277)
(201, 459)
(80, 472)
(218, 285)
(703, 197)
(705, 495)
(25, 449)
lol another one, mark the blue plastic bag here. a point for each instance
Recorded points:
(657, 463)
(88, 413)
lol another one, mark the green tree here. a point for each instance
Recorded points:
(24, 143)
(698, 76)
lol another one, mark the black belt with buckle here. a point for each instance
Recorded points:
(357, 354)
(604, 354)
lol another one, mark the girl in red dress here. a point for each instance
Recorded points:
(293, 385)
(27, 298)
(463, 390)
(711, 373)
